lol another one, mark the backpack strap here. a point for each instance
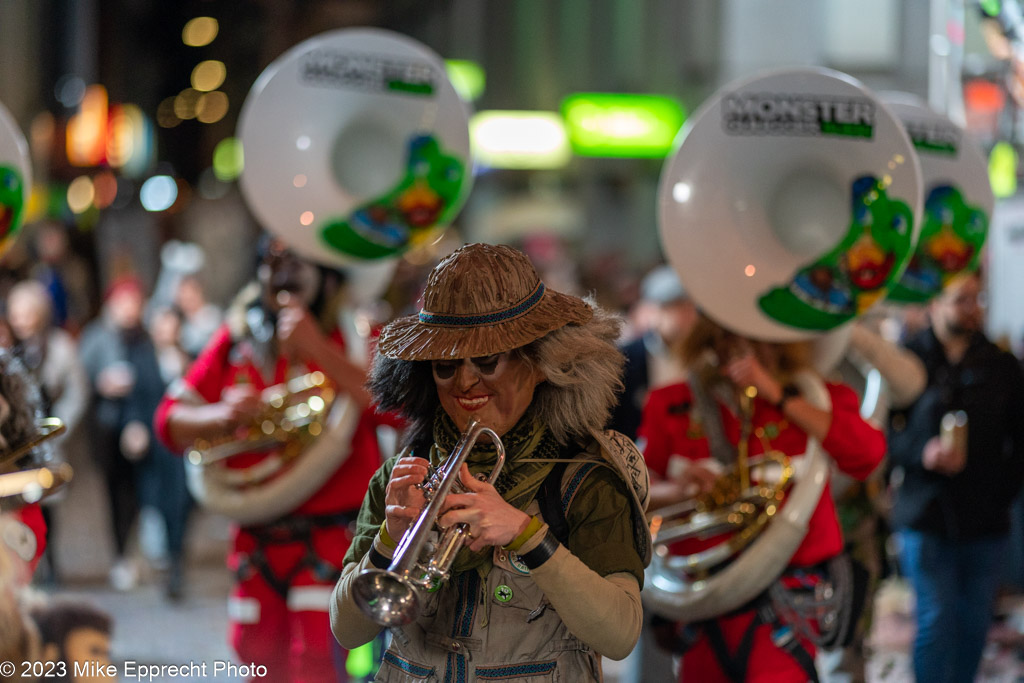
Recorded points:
(549, 498)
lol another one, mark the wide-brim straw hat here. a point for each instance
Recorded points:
(481, 300)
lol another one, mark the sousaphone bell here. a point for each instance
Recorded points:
(790, 207)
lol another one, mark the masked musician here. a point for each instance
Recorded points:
(285, 567)
(551, 576)
(690, 429)
(952, 501)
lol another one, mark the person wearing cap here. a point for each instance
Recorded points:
(280, 327)
(551, 577)
(110, 348)
(652, 359)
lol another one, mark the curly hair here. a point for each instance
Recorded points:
(20, 403)
(709, 344)
(583, 376)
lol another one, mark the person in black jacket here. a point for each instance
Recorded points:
(951, 504)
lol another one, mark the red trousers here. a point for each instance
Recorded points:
(290, 636)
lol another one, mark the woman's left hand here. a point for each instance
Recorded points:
(491, 520)
(298, 332)
(747, 371)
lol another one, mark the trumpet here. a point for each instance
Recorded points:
(391, 597)
(295, 413)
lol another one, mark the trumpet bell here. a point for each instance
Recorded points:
(387, 597)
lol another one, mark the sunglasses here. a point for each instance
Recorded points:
(486, 366)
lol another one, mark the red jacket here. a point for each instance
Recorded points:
(223, 364)
(855, 446)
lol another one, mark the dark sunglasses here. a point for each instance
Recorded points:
(485, 365)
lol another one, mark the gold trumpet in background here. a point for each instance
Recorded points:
(294, 416)
(22, 487)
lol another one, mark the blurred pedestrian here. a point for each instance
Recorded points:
(953, 496)
(160, 473)
(667, 314)
(200, 318)
(51, 356)
(109, 349)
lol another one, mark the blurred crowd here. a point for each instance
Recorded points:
(103, 360)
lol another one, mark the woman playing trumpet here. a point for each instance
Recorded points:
(551, 575)
(744, 387)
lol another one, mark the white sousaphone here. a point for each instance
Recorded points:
(958, 200)
(356, 146)
(15, 179)
(356, 150)
(788, 209)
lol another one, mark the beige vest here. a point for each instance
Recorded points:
(498, 628)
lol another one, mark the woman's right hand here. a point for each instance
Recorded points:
(696, 479)
(403, 499)
(239, 405)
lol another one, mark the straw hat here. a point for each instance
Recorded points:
(480, 300)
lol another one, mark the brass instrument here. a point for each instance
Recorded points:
(391, 597)
(764, 534)
(26, 486)
(295, 414)
(741, 502)
(48, 427)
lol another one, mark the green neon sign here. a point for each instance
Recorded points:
(617, 125)
(467, 78)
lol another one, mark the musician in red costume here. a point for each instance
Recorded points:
(682, 423)
(285, 567)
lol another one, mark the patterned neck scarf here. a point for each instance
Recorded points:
(518, 482)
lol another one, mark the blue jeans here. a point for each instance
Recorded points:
(956, 584)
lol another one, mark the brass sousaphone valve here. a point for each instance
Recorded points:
(294, 414)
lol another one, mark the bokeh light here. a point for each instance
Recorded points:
(158, 193)
(185, 103)
(210, 186)
(228, 159)
(80, 194)
(104, 189)
(208, 75)
(200, 31)
(165, 116)
(212, 107)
